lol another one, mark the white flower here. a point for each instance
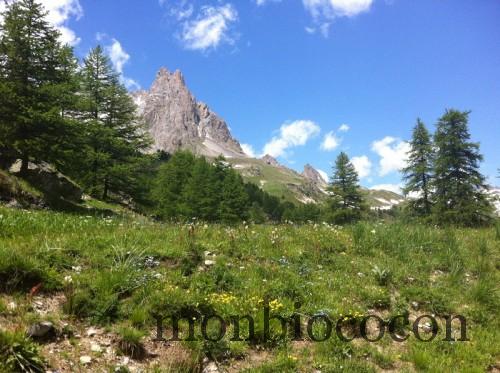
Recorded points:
(77, 269)
(11, 306)
(68, 279)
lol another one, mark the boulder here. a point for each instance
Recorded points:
(44, 330)
(53, 184)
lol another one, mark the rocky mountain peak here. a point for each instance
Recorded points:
(178, 121)
(313, 175)
(270, 160)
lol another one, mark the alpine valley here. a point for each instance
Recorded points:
(176, 120)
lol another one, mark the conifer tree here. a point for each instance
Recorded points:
(459, 186)
(201, 194)
(168, 188)
(37, 87)
(346, 202)
(418, 173)
(234, 202)
(115, 134)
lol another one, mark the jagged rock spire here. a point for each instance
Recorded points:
(177, 121)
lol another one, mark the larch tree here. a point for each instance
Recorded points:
(37, 87)
(460, 196)
(115, 134)
(346, 201)
(418, 172)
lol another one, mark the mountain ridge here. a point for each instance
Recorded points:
(177, 120)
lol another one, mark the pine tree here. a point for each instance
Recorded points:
(418, 173)
(116, 136)
(234, 202)
(201, 194)
(346, 202)
(168, 188)
(459, 185)
(36, 87)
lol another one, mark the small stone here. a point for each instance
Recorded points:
(91, 332)
(85, 360)
(211, 367)
(42, 330)
(94, 347)
(209, 262)
(427, 327)
(207, 253)
(415, 305)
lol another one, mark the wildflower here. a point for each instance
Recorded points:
(68, 279)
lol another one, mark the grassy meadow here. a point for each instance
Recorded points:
(103, 277)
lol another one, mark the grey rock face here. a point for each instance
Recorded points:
(51, 182)
(313, 175)
(177, 121)
(270, 160)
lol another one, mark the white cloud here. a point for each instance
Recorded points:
(396, 188)
(344, 128)
(263, 2)
(248, 150)
(323, 174)
(181, 10)
(324, 12)
(210, 28)
(119, 57)
(294, 134)
(362, 165)
(393, 154)
(330, 142)
(59, 13)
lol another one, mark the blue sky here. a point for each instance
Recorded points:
(286, 75)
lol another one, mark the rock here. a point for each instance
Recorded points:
(84, 360)
(270, 160)
(44, 330)
(209, 262)
(211, 367)
(177, 121)
(52, 183)
(314, 176)
(14, 204)
(94, 347)
(91, 332)
(426, 327)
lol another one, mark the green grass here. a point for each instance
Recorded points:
(125, 268)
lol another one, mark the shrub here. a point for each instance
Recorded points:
(20, 272)
(130, 342)
(383, 276)
(19, 354)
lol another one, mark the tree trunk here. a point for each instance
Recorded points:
(105, 190)
(24, 166)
